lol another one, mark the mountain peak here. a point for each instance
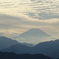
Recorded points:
(35, 32)
(34, 29)
(33, 35)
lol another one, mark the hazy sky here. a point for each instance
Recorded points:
(18, 16)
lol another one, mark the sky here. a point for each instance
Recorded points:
(18, 16)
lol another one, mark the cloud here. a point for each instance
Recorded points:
(14, 25)
(36, 6)
(43, 16)
(19, 16)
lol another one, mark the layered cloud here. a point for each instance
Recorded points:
(19, 24)
(17, 16)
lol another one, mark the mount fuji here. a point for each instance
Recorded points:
(33, 36)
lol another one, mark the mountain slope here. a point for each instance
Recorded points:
(6, 42)
(50, 48)
(18, 48)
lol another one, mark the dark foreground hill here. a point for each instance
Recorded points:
(5, 55)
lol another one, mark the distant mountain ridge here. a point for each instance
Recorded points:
(50, 49)
(18, 48)
(6, 42)
(28, 44)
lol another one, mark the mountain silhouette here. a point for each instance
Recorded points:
(5, 55)
(18, 48)
(50, 49)
(6, 42)
(33, 34)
